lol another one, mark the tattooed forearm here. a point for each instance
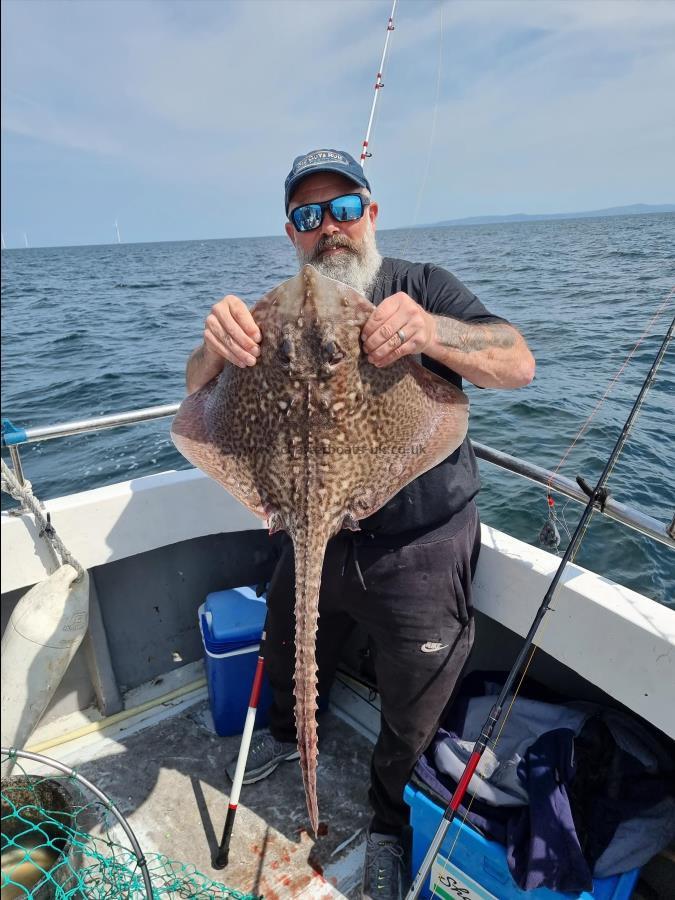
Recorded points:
(489, 354)
(467, 338)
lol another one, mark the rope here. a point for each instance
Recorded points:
(23, 494)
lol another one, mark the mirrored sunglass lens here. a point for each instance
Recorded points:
(305, 218)
(346, 209)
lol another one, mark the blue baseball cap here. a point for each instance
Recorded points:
(323, 161)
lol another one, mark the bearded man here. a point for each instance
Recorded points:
(406, 575)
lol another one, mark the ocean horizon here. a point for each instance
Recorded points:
(467, 221)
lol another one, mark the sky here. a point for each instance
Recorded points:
(180, 120)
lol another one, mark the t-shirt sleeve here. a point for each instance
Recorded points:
(447, 296)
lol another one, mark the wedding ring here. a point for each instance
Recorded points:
(401, 335)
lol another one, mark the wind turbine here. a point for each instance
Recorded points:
(25, 239)
(3, 241)
(117, 232)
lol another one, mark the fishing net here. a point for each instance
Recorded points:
(58, 842)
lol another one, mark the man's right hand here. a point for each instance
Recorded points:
(230, 335)
(230, 332)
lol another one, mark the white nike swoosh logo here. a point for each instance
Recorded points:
(432, 647)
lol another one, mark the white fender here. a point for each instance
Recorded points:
(41, 638)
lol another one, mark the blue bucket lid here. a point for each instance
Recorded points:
(233, 618)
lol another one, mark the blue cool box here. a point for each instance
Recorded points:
(478, 869)
(231, 623)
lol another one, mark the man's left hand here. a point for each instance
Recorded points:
(398, 327)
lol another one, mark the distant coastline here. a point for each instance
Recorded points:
(636, 209)
(633, 210)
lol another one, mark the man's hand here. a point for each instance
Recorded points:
(230, 335)
(230, 331)
(397, 317)
(490, 354)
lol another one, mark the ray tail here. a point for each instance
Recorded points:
(310, 548)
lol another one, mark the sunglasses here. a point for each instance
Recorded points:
(348, 208)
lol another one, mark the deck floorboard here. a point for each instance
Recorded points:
(169, 781)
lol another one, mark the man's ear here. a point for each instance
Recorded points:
(290, 231)
(373, 210)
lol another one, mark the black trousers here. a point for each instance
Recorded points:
(417, 610)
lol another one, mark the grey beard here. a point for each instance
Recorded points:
(357, 267)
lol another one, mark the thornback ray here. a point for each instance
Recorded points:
(314, 438)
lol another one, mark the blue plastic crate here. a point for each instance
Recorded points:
(479, 870)
(231, 624)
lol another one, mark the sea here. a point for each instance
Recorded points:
(93, 330)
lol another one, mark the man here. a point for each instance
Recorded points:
(406, 576)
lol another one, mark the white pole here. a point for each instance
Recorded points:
(117, 232)
(378, 84)
(25, 238)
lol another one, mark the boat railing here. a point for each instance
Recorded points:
(13, 437)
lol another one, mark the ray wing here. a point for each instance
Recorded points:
(418, 419)
(199, 432)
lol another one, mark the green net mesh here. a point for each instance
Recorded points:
(58, 842)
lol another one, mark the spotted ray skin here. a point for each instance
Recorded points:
(314, 438)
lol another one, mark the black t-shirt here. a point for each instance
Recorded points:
(437, 495)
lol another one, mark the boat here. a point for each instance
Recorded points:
(132, 712)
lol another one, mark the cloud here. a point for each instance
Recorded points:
(129, 65)
(541, 105)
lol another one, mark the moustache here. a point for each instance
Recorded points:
(333, 242)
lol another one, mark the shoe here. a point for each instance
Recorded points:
(383, 869)
(264, 755)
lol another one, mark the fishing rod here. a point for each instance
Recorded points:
(379, 84)
(596, 495)
(222, 856)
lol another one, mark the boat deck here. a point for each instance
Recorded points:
(169, 782)
(168, 779)
(165, 771)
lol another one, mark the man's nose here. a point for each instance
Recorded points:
(329, 225)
